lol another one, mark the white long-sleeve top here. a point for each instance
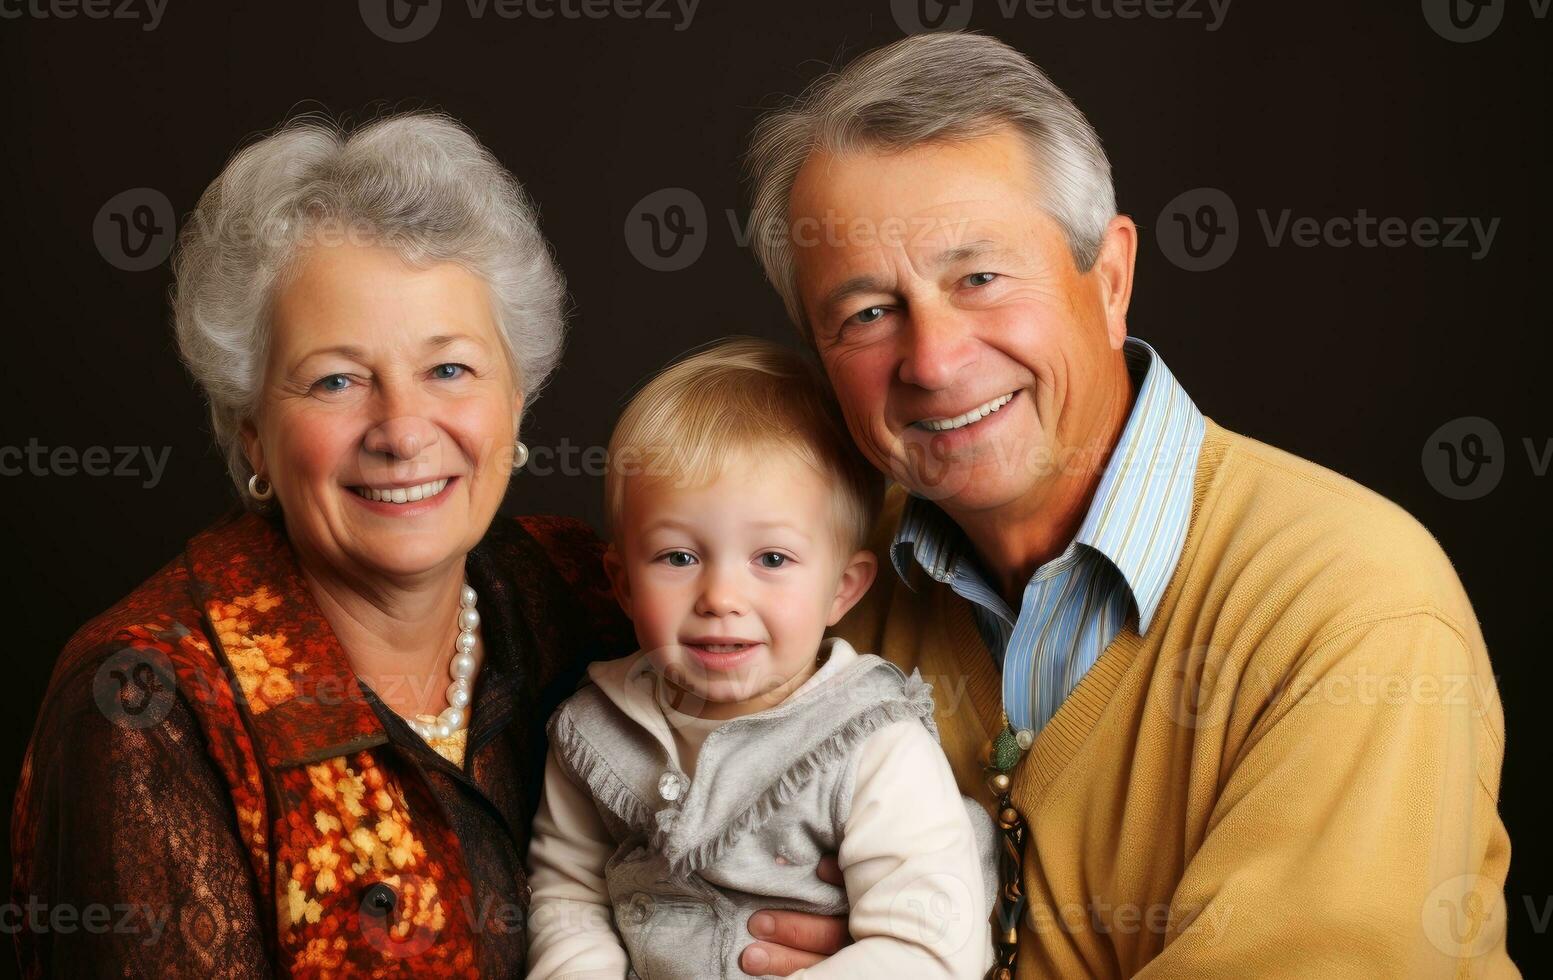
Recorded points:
(908, 857)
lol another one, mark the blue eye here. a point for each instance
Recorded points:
(773, 559)
(333, 382)
(679, 559)
(980, 278)
(869, 315)
(447, 372)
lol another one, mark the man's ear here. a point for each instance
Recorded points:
(615, 568)
(1113, 270)
(856, 577)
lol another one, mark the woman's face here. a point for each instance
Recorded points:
(391, 382)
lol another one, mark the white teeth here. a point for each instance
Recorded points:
(944, 425)
(723, 647)
(403, 495)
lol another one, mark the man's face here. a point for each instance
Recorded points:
(973, 360)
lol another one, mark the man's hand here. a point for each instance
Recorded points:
(794, 940)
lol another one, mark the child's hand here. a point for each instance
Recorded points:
(795, 940)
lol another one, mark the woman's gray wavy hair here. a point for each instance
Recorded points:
(418, 183)
(923, 89)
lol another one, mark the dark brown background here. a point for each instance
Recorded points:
(1353, 356)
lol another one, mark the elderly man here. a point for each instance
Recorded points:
(1233, 710)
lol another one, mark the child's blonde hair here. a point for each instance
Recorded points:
(732, 396)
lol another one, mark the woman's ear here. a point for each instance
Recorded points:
(252, 448)
(856, 577)
(615, 568)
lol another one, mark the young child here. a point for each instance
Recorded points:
(702, 779)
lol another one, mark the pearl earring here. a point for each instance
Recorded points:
(519, 456)
(260, 489)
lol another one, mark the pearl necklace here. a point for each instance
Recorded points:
(462, 669)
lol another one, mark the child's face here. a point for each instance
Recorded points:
(732, 584)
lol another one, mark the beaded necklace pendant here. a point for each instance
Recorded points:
(999, 759)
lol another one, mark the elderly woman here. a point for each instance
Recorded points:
(311, 744)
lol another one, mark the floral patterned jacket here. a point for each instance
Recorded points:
(210, 791)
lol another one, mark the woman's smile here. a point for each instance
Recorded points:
(404, 501)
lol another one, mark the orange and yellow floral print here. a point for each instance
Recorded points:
(261, 661)
(362, 828)
(354, 830)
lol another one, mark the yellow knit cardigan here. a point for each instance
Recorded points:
(1294, 774)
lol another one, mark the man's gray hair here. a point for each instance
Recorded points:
(930, 87)
(418, 183)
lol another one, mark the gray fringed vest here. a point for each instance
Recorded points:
(771, 794)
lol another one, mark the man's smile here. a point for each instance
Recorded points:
(949, 423)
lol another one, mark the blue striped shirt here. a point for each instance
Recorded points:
(1118, 564)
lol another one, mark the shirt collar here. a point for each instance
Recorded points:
(635, 686)
(929, 538)
(293, 679)
(1140, 513)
